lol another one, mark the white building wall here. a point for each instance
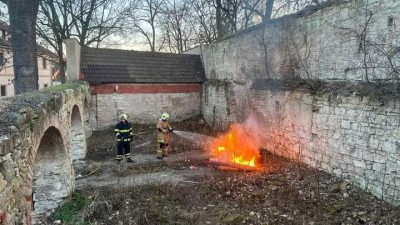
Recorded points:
(7, 72)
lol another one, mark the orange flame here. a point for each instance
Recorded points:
(237, 146)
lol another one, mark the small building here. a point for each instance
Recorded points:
(140, 84)
(45, 63)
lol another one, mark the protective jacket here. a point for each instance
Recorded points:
(163, 131)
(123, 131)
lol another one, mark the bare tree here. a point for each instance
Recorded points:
(203, 21)
(95, 20)
(4, 61)
(261, 8)
(231, 11)
(227, 12)
(23, 14)
(218, 10)
(144, 16)
(176, 22)
(54, 25)
(282, 7)
(90, 21)
(267, 9)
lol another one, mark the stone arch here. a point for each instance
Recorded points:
(77, 135)
(53, 175)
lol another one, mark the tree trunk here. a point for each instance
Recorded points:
(268, 10)
(61, 61)
(220, 32)
(23, 14)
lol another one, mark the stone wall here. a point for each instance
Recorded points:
(39, 133)
(143, 103)
(355, 40)
(353, 136)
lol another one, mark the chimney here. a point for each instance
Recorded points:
(73, 59)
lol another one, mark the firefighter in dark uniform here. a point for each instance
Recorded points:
(123, 131)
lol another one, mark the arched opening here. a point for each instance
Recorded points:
(53, 178)
(77, 135)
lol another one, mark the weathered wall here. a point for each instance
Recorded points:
(41, 133)
(355, 41)
(352, 136)
(143, 103)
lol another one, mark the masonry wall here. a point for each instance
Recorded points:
(350, 41)
(143, 103)
(38, 135)
(352, 136)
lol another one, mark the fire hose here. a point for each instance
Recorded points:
(92, 172)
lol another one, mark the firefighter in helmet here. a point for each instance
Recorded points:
(123, 131)
(164, 131)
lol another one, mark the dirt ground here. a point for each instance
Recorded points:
(185, 189)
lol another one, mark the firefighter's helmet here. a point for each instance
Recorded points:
(165, 116)
(123, 117)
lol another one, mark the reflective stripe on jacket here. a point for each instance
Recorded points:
(163, 137)
(123, 131)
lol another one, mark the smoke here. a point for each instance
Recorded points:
(253, 126)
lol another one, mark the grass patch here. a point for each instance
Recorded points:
(67, 85)
(67, 213)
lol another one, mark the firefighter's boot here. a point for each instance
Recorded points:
(129, 160)
(159, 151)
(165, 151)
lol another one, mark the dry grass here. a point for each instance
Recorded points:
(284, 193)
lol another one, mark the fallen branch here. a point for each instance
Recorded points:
(221, 163)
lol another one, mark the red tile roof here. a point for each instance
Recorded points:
(125, 66)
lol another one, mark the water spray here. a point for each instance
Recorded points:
(196, 138)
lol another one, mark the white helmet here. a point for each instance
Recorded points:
(123, 117)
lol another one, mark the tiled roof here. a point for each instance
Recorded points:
(124, 66)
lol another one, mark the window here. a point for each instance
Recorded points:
(3, 34)
(44, 63)
(1, 58)
(45, 85)
(3, 90)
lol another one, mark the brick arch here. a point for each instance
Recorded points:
(77, 135)
(52, 179)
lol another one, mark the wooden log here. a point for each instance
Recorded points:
(218, 162)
